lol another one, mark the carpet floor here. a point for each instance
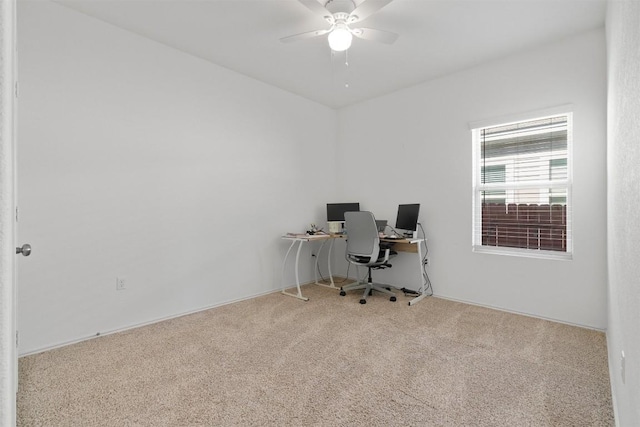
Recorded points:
(276, 360)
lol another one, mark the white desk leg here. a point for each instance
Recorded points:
(315, 268)
(299, 295)
(332, 285)
(423, 286)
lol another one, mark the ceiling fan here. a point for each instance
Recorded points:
(341, 14)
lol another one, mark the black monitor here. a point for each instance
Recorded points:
(408, 217)
(335, 211)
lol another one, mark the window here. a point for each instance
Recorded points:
(522, 187)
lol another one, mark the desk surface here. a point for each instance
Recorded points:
(400, 245)
(303, 236)
(401, 240)
(309, 237)
(404, 245)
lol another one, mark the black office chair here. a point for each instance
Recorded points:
(363, 248)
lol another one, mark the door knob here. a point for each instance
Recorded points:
(24, 250)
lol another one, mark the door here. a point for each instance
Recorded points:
(8, 95)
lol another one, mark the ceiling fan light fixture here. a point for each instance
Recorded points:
(340, 39)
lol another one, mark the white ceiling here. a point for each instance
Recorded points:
(437, 37)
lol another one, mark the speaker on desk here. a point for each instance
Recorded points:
(335, 227)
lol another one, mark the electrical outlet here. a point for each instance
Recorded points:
(622, 366)
(120, 285)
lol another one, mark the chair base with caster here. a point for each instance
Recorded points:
(368, 287)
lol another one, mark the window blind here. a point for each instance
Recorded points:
(522, 186)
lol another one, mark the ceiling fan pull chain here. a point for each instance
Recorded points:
(346, 63)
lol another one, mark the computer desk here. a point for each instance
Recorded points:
(301, 239)
(399, 245)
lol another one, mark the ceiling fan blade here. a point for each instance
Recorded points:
(365, 9)
(303, 36)
(318, 9)
(375, 35)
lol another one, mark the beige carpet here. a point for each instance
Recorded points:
(275, 360)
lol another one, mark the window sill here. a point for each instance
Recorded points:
(526, 253)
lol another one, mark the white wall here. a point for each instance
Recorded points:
(623, 48)
(134, 157)
(139, 161)
(414, 146)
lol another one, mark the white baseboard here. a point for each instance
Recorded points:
(612, 371)
(173, 316)
(522, 313)
(150, 322)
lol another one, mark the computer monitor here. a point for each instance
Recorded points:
(407, 220)
(335, 214)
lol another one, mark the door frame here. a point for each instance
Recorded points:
(8, 114)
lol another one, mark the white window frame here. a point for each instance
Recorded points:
(478, 187)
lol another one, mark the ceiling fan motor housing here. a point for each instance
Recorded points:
(341, 17)
(340, 6)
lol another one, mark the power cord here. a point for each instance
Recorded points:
(427, 281)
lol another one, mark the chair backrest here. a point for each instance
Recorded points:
(362, 235)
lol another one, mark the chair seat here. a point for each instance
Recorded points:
(365, 259)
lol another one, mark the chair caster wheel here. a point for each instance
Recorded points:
(363, 301)
(342, 293)
(392, 299)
